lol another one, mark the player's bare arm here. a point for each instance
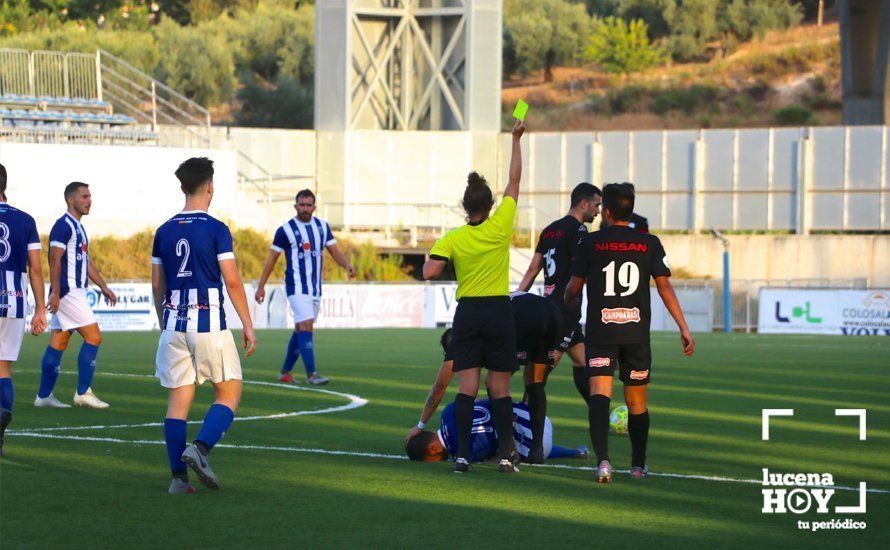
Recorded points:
(235, 288)
(573, 290)
(96, 277)
(55, 274)
(437, 392)
(271, 259)
(159, 290)
(433, 268)
(342, 260)
(534, 267)
(515, 174)
(35, 275)
(669, 297)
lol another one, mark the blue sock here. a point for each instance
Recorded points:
(307, 349)
(293, 353)
(49, 371)
(561, 452)
(86, 366)
(7, 394)
(215, 425)
(174, 433)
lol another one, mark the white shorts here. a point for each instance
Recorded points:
(304, 307)
(11, 333)
(186, 358)
(74, 311)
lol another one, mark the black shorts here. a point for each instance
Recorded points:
(483, 335)
(634, 362)
(572, 335)
(539, 347)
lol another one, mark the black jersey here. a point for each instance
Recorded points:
(557, 244)
(617, 262)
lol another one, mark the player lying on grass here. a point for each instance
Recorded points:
(440, 445)
(538, 324)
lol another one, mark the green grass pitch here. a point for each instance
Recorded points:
(706, 421)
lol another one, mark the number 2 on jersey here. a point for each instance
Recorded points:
(183, 249)
(628, 277)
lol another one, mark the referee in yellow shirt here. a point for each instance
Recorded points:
(484, 333)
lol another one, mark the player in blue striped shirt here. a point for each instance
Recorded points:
(191, 259)
(70, 272)
(303, 240)
(19, 263)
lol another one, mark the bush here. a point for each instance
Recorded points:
(540, 34)
(196, 63)
(688, 100)
(621, 47)
(794, 115)
(130, 258)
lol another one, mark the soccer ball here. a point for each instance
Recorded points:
(618, 420)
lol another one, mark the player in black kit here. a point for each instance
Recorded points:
(554, 253)
(616, 263)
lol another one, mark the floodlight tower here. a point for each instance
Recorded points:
(402, 65)
(408, 65)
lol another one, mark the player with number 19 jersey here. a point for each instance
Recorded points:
(617, 263)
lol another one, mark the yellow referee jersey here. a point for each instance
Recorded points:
(480, 253)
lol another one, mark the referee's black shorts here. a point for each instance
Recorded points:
(538, 329)
(484, 334)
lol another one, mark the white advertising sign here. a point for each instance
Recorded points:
(841, 312)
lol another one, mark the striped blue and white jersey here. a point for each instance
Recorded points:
(18, 235)
(189, 248)
(483, 437)
(303, 245)
(69, 235)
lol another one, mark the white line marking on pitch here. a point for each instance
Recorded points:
(354, 403)
(400, 457)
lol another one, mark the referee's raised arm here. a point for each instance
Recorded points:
(483, 327)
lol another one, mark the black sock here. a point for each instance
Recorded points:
(182, 474)
(202, 447)
(502, 414)
(537, 407)
(5, 419)
(582, 382)
(638, 430)
(598, 415)
(463, 417)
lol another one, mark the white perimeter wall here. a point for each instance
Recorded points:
(133, 188)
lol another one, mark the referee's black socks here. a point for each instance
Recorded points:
(638, 430)
(598, 415)
(463, 417)
(537, 407)
(502, 414)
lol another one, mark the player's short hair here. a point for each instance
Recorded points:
(303, 194)
(193, 173)
(2, 180)
(416, 446)
(478, 199)
(583, 191)
(445, 340)
(72, 188)
(618, 199)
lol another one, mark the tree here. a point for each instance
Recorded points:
(540, 34)
(741, 20)
(692, 24)
(650, 11)
(621, 47)
(196, 63)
